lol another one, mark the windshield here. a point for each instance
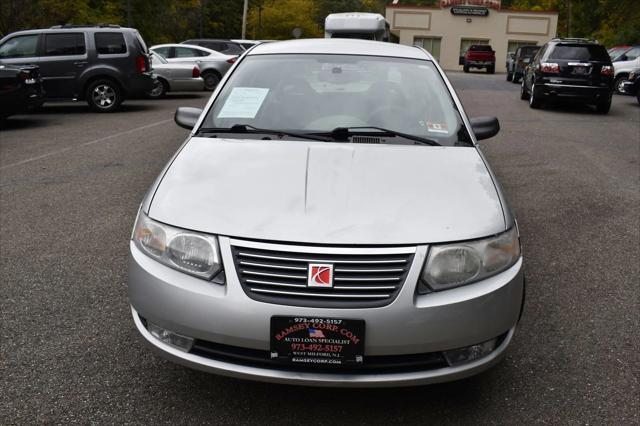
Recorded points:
(316, 93)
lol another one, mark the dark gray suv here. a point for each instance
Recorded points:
(102, 64)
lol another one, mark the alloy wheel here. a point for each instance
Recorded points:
(104, 96)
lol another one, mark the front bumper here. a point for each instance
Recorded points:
(630, 87)
(411, 324)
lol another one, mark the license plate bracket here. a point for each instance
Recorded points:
(317, 342)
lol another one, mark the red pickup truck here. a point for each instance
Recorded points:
(480, 56)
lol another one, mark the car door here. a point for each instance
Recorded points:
(63, 57)
(20, 50)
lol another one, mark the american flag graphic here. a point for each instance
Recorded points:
(318, 334)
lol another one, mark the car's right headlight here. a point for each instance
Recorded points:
(187, 251)
(453, 265)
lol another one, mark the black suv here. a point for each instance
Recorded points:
(103, 64)
(227, 47)
(577, 69)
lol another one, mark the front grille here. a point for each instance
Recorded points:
(361, 278)
(376, 364)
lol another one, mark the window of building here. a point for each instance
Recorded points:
(430, 44)
(110, 43)
(64, 44)
(514, 45)
(466, 42)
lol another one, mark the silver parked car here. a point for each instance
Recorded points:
(174, 77)
(329, 221)
(213, 65)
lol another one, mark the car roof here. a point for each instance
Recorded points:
(194, 46)
(72, 29)
(332, 46)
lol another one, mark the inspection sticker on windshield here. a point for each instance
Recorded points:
(243, 102)
(437, 127)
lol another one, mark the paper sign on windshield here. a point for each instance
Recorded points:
(243, 102)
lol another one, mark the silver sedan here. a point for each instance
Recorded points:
(213, 65)
(174, 77)
(329, 221)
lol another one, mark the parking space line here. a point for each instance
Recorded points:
(91, 142)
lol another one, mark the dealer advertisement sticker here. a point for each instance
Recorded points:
(323, 342)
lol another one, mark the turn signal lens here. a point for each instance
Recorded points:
(176, 340)
(470, 353)
(550, 67)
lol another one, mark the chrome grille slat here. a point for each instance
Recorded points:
(334, 261)
(382, 287)
(359, 279)
(278, 273)
(326, 295)
(275, 283)
(262, 265)
(268, 274)
(368, 271)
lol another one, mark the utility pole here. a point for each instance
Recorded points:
(244, 19)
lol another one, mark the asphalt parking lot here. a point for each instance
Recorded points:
(70, 184)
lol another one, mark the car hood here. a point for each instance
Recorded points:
(329, 193)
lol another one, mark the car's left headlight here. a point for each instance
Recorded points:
(187, 251)
(453, 265)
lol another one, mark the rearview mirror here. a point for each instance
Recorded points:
(187, 117)
(485, 127)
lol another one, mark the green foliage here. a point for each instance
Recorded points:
(610, 21)
(276, 19)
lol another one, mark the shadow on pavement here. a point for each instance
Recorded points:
(21, 122)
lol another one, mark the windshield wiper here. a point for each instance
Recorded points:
(343, 134)
(247, 128)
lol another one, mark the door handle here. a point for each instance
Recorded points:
(80, 64)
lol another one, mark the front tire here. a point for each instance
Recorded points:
(619, 84)
(509, 76)
(211, 80)
(465, 68)
(491, 69)
(104, 95)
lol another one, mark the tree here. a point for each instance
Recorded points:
(276, 19)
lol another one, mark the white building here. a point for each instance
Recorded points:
(449, 29)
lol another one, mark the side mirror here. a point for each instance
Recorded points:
(187, 117)
(485, 127)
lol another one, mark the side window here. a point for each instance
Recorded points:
(185, 52)
(110, 43)
(540, 53)
(64, 44)
(633, 53)
(162, 51)
(20, 47)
